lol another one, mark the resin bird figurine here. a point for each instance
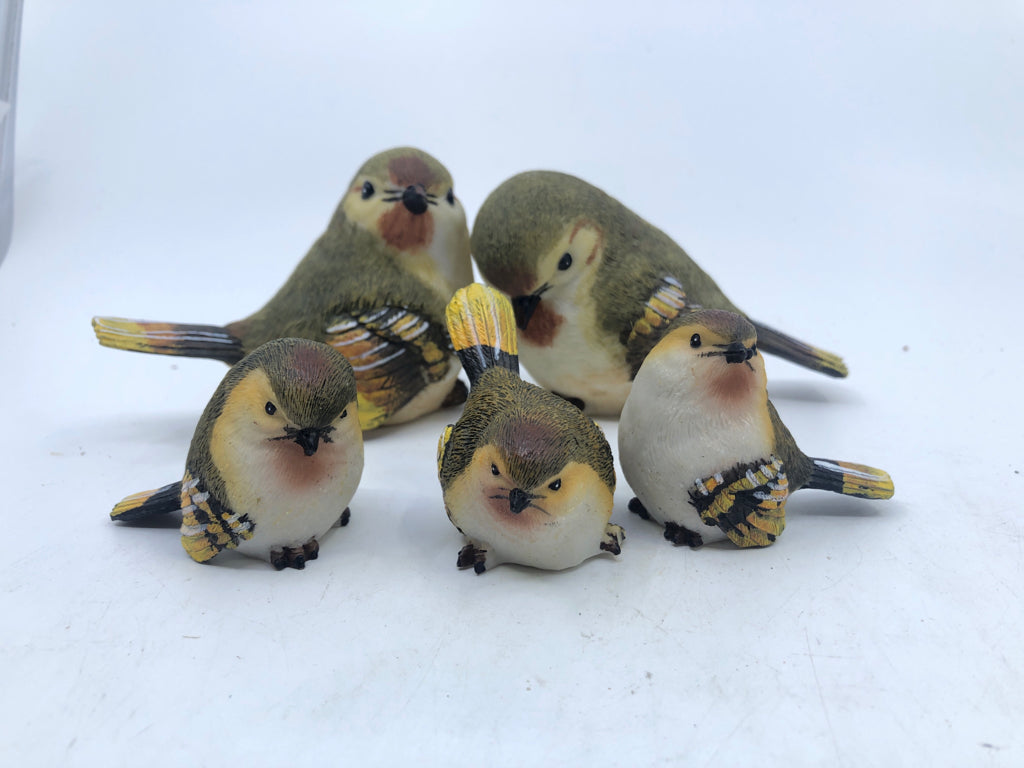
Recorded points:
(526, 477)
(274, 462)
(374, 286)
(704, 449)
(594, 287)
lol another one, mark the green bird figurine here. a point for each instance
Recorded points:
(704, 449)
(374, 286)
(526, 477)
(274, 462)
(594, 286)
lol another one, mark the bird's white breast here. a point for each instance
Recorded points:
(580, 359)
(530, 538)
(671, 434)
(289, 496)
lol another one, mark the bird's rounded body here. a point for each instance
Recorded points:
(526, 477)
(703, 448)
(276, 457)
(595, 286)
(670, 437)
(557, 529)
(290, 497)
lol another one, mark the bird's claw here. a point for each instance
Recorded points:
(679, 536)
(638, 509)
(295, 557)
(614, 535)
(470, 555)
(345, 517)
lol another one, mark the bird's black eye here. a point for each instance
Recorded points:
(753, 349)
(270, 408)
(344, 414)
(695, 340)
(367, 190)
(554, 486)
(450, 197)
(565, 262)
(494, 470)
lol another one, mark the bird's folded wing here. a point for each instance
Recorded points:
(748, 502)
(208, 527)
(666, 303)
(394, 353)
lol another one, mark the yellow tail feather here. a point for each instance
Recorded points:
(146, 503)
(481, 316)
(851, 479)
(483, 330)
(777, 343)
(129, 503)
(179, 339)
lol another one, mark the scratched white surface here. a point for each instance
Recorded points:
(855, 177)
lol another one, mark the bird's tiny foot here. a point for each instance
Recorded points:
(294, 557)
(574, 400)
(311, 549)
(613, 538)
(345, 516)
(637, 508)
(456, 396)
(682, 536)
(470, 555)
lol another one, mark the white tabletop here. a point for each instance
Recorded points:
(853, 177)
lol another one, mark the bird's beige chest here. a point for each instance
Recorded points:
(278, 478)
(290, 497)
(571, 355)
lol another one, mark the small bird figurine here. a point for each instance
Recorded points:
(374, 286)
(274, 462)
(594, 286)
(703, 447)
(526, 477)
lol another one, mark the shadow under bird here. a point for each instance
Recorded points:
(275, 459)
(704, 449)
(594, 287)
(526, 477)
(374, 286)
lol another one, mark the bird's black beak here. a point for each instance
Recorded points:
(737, 353)
(518, 500)
(414, 198)
(523, 307)
(309, 439)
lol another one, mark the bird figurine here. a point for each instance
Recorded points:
(374, 286)
(526, 477)
(704, 449)
(274, 462)
(594, 286)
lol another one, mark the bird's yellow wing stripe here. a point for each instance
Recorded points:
(748, 503)
(207, 528)
(665, 304)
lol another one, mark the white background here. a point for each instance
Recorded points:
(854, 177)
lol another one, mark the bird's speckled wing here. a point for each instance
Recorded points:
(394, 353)
(207, 526)
(664, 306)
(748, 502)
